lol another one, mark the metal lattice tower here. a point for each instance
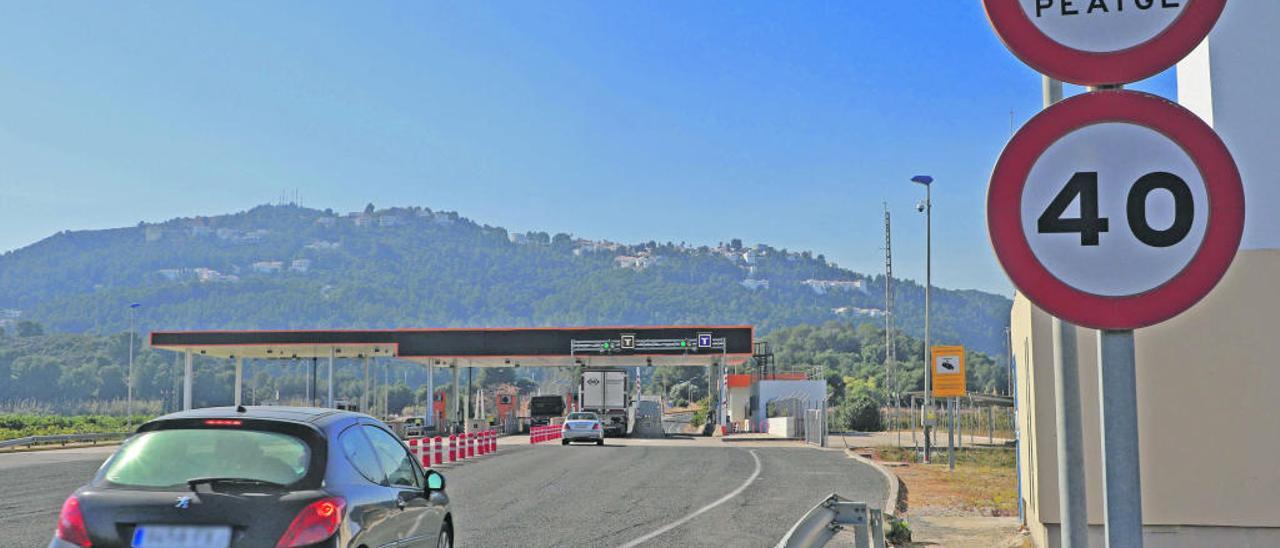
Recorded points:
(890, 352)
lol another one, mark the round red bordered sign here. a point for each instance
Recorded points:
(1100, 42)
(1115, 209)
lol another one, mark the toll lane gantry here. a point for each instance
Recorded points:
(689, 345)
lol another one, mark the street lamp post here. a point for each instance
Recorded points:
(129, 389)
(927, 209)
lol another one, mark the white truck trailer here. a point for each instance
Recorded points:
(604, 392)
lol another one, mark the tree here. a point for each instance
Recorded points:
(860, 410)
(399, 396)
(28, 328)
(491, 376)
(369, 209)
(561, 241)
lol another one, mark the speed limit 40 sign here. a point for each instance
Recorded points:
(1115, 209)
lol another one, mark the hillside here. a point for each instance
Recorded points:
(294, 267)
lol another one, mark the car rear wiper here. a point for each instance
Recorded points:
(193, 482)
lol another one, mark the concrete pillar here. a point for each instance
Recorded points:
(186, 382)
(457, 393)
(364, 400)
(431, 396)
(330, 377)
(239, 379)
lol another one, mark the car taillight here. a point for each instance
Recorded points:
(317, 522)
(222, 422)
(595, 426)
(71, 524)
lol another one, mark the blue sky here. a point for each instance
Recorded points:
(784, 123)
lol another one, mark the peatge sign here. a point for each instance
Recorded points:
(1102, 42)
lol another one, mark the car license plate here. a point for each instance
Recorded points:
(179, 536)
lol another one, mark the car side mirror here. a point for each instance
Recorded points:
(435, 482)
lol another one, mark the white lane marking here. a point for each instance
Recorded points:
(755, 474)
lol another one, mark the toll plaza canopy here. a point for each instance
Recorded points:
(487, 347)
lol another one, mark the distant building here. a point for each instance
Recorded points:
(390, 220)
(300, 265)
(243, 236)
(857, 311)
(267, 267)
(323, 245)
(199, 230)
(749, 256)
(172, 274)
(152, 233)
(754, 284)
(821, 287)
(518, 238)
(210, 275)
(639, 262)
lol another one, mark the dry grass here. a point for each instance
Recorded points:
(983, 483)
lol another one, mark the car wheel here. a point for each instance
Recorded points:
(446, 539)
(564, 442)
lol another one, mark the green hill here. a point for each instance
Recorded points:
(294, 267)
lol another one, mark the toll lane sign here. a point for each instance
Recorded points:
(1096, 42)
(1115, 209)
(948, 371)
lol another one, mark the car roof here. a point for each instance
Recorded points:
(317, 416)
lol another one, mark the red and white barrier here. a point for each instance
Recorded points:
(453, 448)
(539, 434)
(471, 445)
(439, 458)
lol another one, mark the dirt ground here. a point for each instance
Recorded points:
(974, 505)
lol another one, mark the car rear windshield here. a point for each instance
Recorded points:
(169, 458)
(582, 416)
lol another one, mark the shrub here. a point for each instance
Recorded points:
(860, 413)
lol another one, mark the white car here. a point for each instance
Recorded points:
(582, 427)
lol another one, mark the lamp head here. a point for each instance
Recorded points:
(922, 179)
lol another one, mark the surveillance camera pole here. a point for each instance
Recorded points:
(928, 289)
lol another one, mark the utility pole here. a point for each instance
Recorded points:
(890, 360)
(129, 389)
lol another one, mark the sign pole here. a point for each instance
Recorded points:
(951, 434)
(1117, 383)
(1072, 508)
(1066, 388)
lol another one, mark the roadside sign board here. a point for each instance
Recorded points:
(1097, 42)
(1115, 209)
(948, 371)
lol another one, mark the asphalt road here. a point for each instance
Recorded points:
(550, 495)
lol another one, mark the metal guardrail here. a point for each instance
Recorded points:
(62, 439)
(832, 515)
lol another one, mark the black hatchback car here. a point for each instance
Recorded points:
(259, 476)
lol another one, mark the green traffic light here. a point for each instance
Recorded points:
(684, 343)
